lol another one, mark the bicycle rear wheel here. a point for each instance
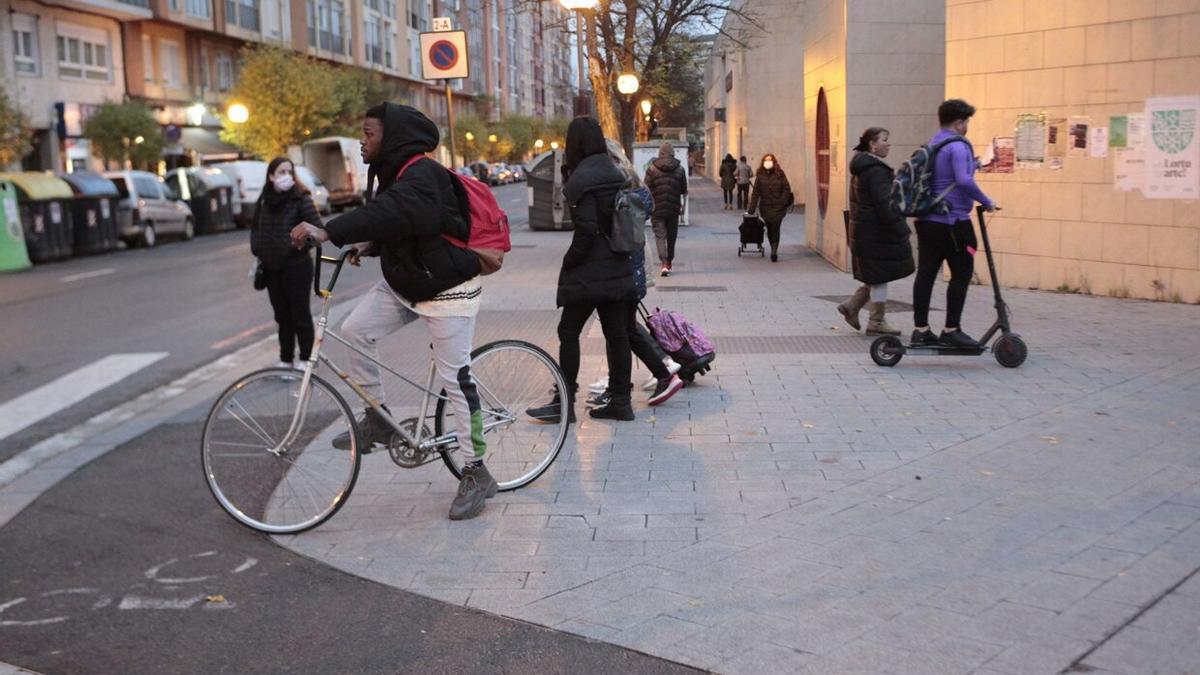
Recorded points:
(511, 376)
(269, 479)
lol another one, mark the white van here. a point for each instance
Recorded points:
(249, 177)
(337, 161)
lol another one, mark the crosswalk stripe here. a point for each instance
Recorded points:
(30, 408)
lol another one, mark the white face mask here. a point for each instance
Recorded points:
(768, 165)
(283, 183)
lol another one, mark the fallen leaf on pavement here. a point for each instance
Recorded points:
(1052, 440)
(215, 598)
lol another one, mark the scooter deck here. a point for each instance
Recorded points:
(943, 350)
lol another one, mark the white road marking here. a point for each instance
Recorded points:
(250, 562)
(139, 602)
(29, 409)
(87, 275)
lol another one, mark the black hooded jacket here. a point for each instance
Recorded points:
(591, 273)
(878, 234)
(407, 217)
(668, 183)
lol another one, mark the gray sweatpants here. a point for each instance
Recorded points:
(381, 313)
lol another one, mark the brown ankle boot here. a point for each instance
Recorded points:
(850, 308)
(877, 324)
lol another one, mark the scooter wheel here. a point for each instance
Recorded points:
(1010, 351)
(887, 351)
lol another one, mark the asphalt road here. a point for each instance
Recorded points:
(191, 299)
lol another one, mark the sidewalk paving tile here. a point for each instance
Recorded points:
(808, 511)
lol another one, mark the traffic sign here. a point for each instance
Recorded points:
(444, 55)
(442, 24)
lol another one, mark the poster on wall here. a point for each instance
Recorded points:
(1129, 169)
(1030, 149)
(999, 157)
(1126, 131)
(1172, 150)
(1098, 143)
(1077, 136)
(1056, 142)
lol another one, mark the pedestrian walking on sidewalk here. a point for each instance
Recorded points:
(663, 381)
(668, 183)
(744, 174)
(288, 272)
(728, 179)
(878, 235)
(771, 199)
(948, 237)
(593, 278)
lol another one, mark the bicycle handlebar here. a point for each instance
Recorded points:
(337, 269)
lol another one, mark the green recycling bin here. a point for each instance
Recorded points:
(13, 255)
(44, 203)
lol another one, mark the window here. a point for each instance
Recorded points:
(276, 20)
(224, 73)
(822, 152)
(82, 52)
(147, 59)
(326, 27)
(147, 188)
(172, 63)
(379, 34)
(243, 13)
(203, 69)
(201, 9)
(25, 44)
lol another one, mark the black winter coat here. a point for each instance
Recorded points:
(591, 273)
(728, 174)
(270, 231)
(667, 181)
(772, 194)
(878, 234)
(407, 217)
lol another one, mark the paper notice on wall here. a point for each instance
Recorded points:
(1003, 155)
(1030, 146)
(1126, 131)
(1098, 143)
(1056, 142)
(1129, 169)
(1077, 136)
(1172, 149)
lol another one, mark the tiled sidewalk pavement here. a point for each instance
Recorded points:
(808, 510)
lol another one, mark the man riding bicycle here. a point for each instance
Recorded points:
(424, 275)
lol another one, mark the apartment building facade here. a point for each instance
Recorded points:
(63, 58)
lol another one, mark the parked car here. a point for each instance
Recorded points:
(316, 189)
(248, 177)
(337, 161)
(148, 208)
(465, 172)
(519, 173)
(500, 174)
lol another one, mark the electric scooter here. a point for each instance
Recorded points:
(1009, 349)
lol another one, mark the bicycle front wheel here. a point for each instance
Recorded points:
(268, 455)
(511, 376)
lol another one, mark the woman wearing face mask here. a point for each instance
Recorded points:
(879, 235)
(283, 205)
(771, 199)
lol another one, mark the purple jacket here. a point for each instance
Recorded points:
(955, 164)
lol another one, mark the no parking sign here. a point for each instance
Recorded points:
(444, 55)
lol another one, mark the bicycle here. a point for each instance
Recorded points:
(266, 449)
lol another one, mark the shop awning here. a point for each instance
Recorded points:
(39, 186)
(207, 145)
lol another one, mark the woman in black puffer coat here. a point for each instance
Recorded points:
(593, 278)
(771, 199)
(878, 234)
(288, 272)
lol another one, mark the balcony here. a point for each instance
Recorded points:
(121, 10)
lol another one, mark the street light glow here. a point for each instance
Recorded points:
(646, 105)
(492, 138)
(139, 140)
(579, 4)
(237, 113)
(538, 144)
(627, 84)
(553, 145)
(470, 137)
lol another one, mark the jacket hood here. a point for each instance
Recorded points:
(667, 164)
(593, 173)
(863, 161)
(406, 132)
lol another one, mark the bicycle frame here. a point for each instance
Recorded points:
(417, 440)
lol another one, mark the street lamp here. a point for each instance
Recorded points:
(237, 113)
(628, 84)
(553, 145)
(538, 144)
(139, 140)
(582, 101)
(470, 137)
(492, 138)
(646, 106)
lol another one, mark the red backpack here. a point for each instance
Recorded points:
(489, 236)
